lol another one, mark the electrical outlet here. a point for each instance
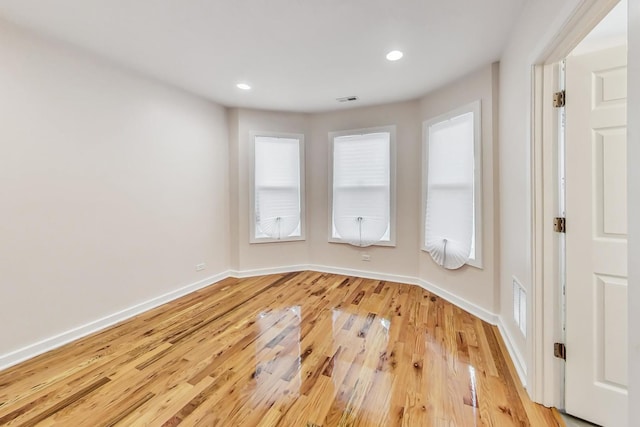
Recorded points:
(200, 267)
(366, 257)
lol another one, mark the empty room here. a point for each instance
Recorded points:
(319, 213)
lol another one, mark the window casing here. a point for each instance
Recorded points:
(452, 189)
(277, 187)
(362, 187)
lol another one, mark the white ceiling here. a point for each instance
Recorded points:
(298, 55)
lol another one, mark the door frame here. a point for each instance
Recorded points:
(545, 378)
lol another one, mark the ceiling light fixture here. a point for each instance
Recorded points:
(394, 55)
(243, 86)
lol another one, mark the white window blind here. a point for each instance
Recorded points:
(277, 188)
(452, 171)
(362, 188)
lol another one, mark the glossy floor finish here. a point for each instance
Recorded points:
(302, 349)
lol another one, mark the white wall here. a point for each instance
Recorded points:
(112, 189)
(246, 257)
(478, 286)
(633, 157)
(539, 22)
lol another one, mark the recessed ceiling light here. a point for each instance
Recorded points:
(394, 55)
(243, 86)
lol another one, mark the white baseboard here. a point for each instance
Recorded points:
(32, 350)
(51, 343)
(364, 274)
(324, 269)
(516, 356)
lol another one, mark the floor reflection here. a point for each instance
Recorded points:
(278, 358)
(343, 364)
(473, 388)
(362, 374)
(355, 364)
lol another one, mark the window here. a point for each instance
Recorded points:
(361, 187)
(451, 188)
(277, 198)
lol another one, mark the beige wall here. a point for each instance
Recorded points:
(118, 186)
(316, 250)
(112, 189)
(247, 256)
(402, 259)
(234, 176)
(478, 286)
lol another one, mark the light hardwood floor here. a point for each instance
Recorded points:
(302, 349)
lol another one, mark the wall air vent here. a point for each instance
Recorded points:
(520, 306)
(347, 99)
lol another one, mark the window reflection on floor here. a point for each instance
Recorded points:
(362, 370)
(278, 358)
(356, 367)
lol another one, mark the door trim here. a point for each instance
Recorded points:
(545, 373)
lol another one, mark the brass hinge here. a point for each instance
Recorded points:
(559, 225)
(559, 99)
(560, 350)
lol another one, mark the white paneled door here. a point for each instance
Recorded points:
(596, 237)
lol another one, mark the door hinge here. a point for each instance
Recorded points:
(559, 99)
(560, 225)
(560, 350)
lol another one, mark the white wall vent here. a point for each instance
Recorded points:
(520, 306)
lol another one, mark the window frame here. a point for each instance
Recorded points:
(476, 109)
(252, 187)
(391, 130)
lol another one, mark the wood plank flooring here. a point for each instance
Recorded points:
(301, 349)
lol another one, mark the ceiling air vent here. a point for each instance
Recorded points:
(347, 99)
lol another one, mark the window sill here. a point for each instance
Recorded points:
(270, 240)
(390, 244)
